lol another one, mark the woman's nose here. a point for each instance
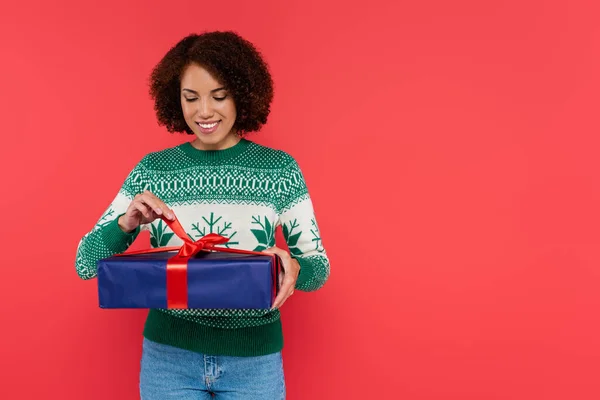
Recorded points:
(205, 109)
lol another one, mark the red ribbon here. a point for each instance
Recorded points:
(177, 265)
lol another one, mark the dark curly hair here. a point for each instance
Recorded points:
(233, 61)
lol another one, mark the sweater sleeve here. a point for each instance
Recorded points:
(300, 229)
(106, 237)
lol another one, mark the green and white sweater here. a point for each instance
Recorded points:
(244, 193)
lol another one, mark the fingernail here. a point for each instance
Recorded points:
(159, 211)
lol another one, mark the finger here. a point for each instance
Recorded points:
(163, 207)
(284, 292)
(285, 299)
(275, 250)
(281, 296)
(283, 255)
(158, 206)
(281, 278)
(279, 302)
(145, 211)
(150, 200)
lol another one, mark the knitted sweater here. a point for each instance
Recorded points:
(244, 193)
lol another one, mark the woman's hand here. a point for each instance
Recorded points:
(144, 208)
(291, 269)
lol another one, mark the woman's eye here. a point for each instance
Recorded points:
(220, 98)
(190, 100)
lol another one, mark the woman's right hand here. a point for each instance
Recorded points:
(144, 208)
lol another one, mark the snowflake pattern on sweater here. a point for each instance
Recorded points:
(244, 193)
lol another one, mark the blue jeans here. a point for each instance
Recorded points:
(171, 373)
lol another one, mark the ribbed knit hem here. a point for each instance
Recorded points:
(166, 329)
(115, 239)
(307, 271)
(215, 155)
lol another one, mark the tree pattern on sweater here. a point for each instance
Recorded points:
(244, 193)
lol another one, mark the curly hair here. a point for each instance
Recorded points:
(233, 61)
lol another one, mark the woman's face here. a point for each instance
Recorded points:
(208, 109)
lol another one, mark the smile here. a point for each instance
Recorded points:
(208, 127)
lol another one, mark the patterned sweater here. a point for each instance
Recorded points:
(244, 193)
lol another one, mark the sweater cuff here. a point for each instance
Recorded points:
(115, 239)
(306, 272)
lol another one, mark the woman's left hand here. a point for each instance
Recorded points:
(287, 283)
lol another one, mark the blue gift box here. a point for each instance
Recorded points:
(215, 280)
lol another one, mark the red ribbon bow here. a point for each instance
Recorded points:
(177, 265)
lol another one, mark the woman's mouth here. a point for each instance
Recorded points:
(208, 127)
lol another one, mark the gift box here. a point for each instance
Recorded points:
(198, 274)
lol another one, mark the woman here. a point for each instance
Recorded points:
(216, 87)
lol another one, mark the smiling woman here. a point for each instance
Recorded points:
(216, 87)
(217, 66)
(208, 109)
